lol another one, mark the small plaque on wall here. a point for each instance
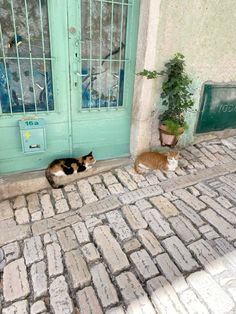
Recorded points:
(218, 108)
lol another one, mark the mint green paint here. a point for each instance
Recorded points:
(69, 129)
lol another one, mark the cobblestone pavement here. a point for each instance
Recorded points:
(126, 243)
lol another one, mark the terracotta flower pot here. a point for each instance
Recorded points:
(168, 139)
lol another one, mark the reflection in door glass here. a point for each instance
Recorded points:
(25, 62)
(103, 29)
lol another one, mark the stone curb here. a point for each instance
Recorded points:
(29, 182)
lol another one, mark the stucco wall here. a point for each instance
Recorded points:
(204, 31)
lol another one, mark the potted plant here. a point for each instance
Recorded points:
(176, 96)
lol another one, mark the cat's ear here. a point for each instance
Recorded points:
(90, 154)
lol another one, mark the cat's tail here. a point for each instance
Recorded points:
(49, 177)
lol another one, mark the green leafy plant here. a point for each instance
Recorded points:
(176, 94)
(174, 128)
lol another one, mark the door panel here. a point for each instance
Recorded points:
(31, 84)
(103, 53)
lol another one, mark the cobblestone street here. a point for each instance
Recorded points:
(120, 242)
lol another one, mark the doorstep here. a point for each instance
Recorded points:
(29, 182)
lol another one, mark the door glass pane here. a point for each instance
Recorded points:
(25, 62)
(103, 32)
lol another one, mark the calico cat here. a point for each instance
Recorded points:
(155, 160)
(67, 166)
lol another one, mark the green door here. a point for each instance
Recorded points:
(70, 63)
(102, 43)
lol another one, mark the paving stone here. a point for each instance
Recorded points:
(143, 184)
(11, 251)
(207, 162)
(152, 179)
(189, 212)
(184, 229)
(94, 180)
(209, 155)
(171, 174)
(116, 188)
(227, 192)
(206, 190)
(207, 257)
(194, 151)
(118, 224)
(132, 197)
(77, 269)
(72, 219)
(22, 216)
(224, 202)
(208, 232)
(126, 180)
(39, 279)
(190, 199)
(20, 307)
(180, 172)
(33, 250)
(170, 196)
(50, 237)
(115, 310)
(225, 250)
(133, 294)
(143, 204)
(105, 289)
(135, 176)
(88, 302)
(38, 307)
(55, 266)
(92, 222)
(171, 272)
(47, 206)
(187, 155)
(211, 293)
(74, 200)
(110, 249)
(2, 260)
(109, 178)
(15, 282)
(134, 217)
(230, 152)
(33, 203)
(221, 225)
(57, 194)
(67, 239)
(86, 191)
(61, 206)
(230, 217)
(19, 202)
(180, 254)
(36, 216)
(12, 232)
(164, 297)
(150, 242)
(100, 190)
(102, 206)
(193, 191)
(131, 245)
(157, 223)
(160, 175)
(228, 144)
(81, 232)
(145, 267)
(60, 300)
(166, 208)
(5, 210)
(90, 252)
(192, 303)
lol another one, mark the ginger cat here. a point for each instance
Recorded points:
(154, 160)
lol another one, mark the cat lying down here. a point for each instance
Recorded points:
(67, 166)
(154, 160)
